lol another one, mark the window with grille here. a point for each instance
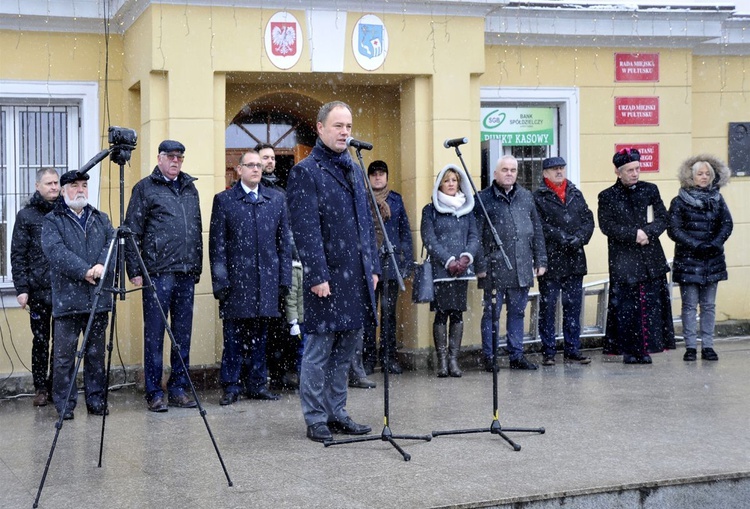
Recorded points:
(32, 136)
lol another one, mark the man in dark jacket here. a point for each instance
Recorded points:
(251, 267)
(30, 269)
(165, 218)
(399, 232)
(333, 231)
(568, 225)
(632, 216)
(512, 212)
(76, 238)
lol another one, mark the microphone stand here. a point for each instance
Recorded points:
(115, 262)
(495, 427)
(386, 435)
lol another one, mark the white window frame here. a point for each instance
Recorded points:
(565, 99)
(85, 94)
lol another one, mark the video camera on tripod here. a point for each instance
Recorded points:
(122, 142)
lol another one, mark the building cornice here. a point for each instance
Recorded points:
(704, 29)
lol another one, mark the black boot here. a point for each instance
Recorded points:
(440, 336)
(454, 347)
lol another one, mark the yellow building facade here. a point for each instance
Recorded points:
(196, 72)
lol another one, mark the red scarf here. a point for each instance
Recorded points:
(558, 190)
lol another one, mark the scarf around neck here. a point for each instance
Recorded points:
(559, 190)
(698, 197)
(452, 202)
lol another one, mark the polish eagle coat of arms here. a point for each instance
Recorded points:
(283, 38)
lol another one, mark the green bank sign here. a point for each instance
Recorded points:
(518, 126)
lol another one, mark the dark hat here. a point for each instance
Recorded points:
(171, 146)
(625, 156)
(552, 162)
(72, 176)
(377, 166)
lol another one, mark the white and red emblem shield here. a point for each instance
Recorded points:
(283, 38)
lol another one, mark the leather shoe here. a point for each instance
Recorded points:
(182, 401)
(98, 410)
(40, 398)
(362, 383)
(157, 405)
(349, 427)
(68, 415)
(549, 360)
(264, 394)
(228, 398)
(393, 367)
(522, 363)
(319, 432)
(577, 357)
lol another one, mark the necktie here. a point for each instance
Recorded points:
(253, 197)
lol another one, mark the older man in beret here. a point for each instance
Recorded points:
(76, 239)
(567, 223)
(632, 216)
(165, 217)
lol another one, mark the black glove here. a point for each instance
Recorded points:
(572, 240)
(222, 294)
(283, 291)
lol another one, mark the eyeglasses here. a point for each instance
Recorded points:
(176, 157)
(252, 165)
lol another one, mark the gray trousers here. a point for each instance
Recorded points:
(692, 296)
(324, 374)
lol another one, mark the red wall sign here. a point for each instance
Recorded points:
(649, 154)
(636, 67)
(636, 111)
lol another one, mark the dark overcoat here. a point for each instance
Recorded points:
(516, 220)
(249, 252)
(622, 212)
(333, 231)
(399, 233)
(71, 252)
(567, 228)
(700, 224)
(29, 265)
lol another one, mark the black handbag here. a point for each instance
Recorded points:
(423, 289)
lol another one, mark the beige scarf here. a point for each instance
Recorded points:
(385, 212)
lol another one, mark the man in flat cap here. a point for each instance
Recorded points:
(165, 218)
(76, 239)
(632, 216)
(567, 223)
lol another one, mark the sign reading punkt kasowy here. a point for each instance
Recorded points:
(519, 126)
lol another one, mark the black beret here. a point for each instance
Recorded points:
(377, 166)
(171, 146)
(625, 156)
(72, 176)
(552, 162)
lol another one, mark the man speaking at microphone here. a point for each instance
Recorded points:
(333, 231)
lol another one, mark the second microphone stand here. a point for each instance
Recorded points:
(495, 427)
(386, 435)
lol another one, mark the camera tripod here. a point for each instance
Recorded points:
(386, 435)
(495, 427)
(114, 264)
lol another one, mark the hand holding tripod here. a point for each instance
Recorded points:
(122, 143)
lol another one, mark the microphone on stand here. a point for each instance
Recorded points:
(455, 142)
(359, 145)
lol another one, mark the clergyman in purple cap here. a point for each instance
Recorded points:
(632, 216)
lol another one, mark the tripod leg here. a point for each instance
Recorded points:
(148, 285)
